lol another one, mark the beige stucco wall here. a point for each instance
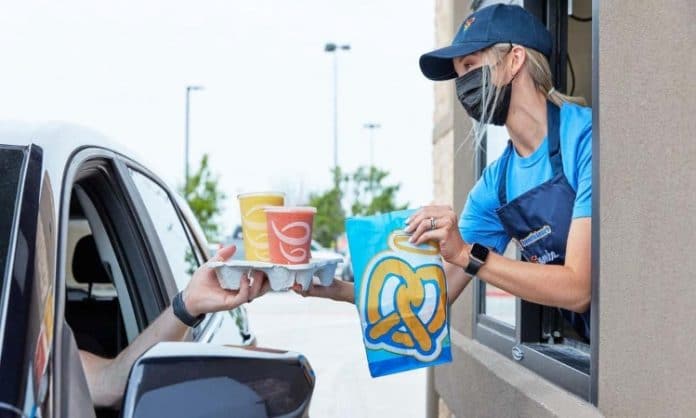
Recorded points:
(647, 162)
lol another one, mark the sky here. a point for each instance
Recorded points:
(265, 115)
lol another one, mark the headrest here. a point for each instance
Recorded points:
(87, 266)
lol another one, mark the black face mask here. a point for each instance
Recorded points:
(470, 93)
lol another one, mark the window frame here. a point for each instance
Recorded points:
(521, 341)
(145, 293)
(114, 208)
(200, 252)
(156, 243)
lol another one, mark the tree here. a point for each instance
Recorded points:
(203, 195)
(328, 222)
(369, 195)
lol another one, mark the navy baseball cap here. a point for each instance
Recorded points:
(499, 23)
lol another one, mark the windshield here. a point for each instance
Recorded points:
(11, 160)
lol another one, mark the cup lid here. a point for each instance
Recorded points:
(289, 209)
(252, 194)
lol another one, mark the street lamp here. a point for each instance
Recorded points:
(371, 126)
(186, 139)
(333, 49)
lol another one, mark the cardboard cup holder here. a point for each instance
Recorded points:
(281, 277)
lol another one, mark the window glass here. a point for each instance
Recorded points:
(498, 303)
(170, 229)
(11, 160)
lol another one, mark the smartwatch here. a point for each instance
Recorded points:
(179, 309)
(477, 258)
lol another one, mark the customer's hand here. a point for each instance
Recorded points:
(204, 294)
(445, 232)
(339, 290)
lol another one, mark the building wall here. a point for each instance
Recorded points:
(645, 189)
(647, 208)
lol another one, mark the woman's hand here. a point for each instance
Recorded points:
(339, 290)
(204, 294)
(445, 232)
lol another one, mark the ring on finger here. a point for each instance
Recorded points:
(433, 224)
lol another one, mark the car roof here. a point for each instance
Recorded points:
(59, 141)
(55, 137)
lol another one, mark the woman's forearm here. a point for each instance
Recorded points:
(550, 285)
(457, 280)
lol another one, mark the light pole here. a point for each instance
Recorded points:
(371, 126)
(186, 138)
(333, 49)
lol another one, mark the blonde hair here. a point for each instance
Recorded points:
(539, 70)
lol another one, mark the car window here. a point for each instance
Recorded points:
(175, 242)
(11, 160)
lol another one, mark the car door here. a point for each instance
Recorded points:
(179, 251)
(28, 233)
(95, 203)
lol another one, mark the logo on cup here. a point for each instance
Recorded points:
(256, 233)
(293, 247)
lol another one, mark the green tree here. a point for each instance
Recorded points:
(328, 222)
(368, 195)
(203, 195)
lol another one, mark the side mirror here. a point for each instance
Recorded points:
(184, 379)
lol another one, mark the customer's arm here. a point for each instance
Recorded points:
(342, 291)
(106, 378)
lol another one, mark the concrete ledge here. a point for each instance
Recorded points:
(482, 383)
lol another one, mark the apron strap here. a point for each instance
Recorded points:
(553, 115)
(502, 183)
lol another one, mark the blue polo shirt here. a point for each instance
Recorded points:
(479, 222)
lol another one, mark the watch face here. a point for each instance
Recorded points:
(480, 252)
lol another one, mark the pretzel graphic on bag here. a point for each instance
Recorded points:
(404, 300)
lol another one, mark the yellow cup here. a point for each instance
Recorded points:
(254, 228)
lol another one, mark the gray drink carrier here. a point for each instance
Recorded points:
(281, 277)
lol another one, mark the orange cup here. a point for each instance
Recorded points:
(290, 234)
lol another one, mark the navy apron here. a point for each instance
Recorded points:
(539, 219)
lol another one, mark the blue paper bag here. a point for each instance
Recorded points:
(400, 293)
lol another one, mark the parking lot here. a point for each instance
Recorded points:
(328, 334)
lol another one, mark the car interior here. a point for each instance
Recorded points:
(92, 307)
(98, 304)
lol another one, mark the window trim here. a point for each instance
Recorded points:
(594, 303)
(157, 255)
(211, 320)
(153, 237)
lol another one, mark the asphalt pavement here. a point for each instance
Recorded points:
(328, 334)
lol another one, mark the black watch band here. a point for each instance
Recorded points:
(477, 258)
(184, 316)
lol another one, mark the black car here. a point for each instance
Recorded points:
(93, 247)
